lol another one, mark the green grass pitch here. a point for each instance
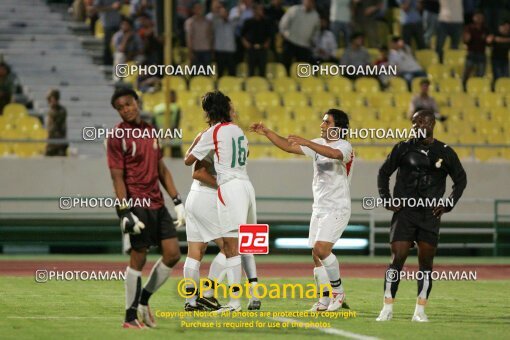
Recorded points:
(94, 310)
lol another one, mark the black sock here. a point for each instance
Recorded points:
(131, 314)
(253, 280)
(144, 297)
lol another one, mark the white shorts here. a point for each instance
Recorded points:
(202, 224)
(236, 206)
(327, 227)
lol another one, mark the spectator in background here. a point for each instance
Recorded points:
(175, 121)
(412, 26)
(224, 42)
(298, 27)
(380, 62)
(152, 44)
(216, 5)
(401, 56)
(366, 14)
(451, 22)
(423, 101)
(324, 44)
(127, 44)
(142, 7)
(199, 37)
(7, 85)
(500, 43)
(56, 124)
(238, 15)
(475, 37)
(340, 18)
(493, 11)
(430, 19)
(356, 54)
(109, 14)
(256, 36)
(274, 12)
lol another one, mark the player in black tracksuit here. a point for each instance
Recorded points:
(423, 165)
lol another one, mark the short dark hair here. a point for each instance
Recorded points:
(426, 112)
(217, 107)
(121, 92)
(126, 19)
(339, 117)
(356, 35)
(53, 93)
(424, 81)
(395, 38)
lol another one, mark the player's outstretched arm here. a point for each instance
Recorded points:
(276, 139)
(323, 150)
(201, 174)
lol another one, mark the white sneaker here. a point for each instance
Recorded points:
(146, 316)
(385, 315)
(420, 317)
(318, 307)
(336, 301)
(227, 309)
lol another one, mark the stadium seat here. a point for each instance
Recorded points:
(187, 99)
(229, 84)
(248, 116)
(311, 85)
(98, 29)
(374, 54)
(177, 83)
(201, 84)
(242, 70)
(256, 84)
(450, 86)
(339, 85)
(240, 99)
(284, 84)
(403, 100)
(265, 100)
(377, 100)
(397, 85)
(13, 111)
(455, 59)
(503, 86)
(461, 100)
(491, 100)
(478, 86)
(367, 85)
(307, 115)
(351, 101)
(437, 72)
(180, 55)
(426, 58)
(28, 123)
(323, 101)
(295, 99)
(150, 100)
(276, 70)
(486, 154)
(391, 114)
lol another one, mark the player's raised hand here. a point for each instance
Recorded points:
(259, 128)
(296, 140)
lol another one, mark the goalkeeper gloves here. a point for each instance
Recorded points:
(180, 212)
(129, 222)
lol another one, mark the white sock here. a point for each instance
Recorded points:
(234, 277)
(332, 267)
(388, 306)
(191, 271)
(249, 266)
(217, 272)
(253, 288)
(158, 276)
(419, 309)
(321, 278)
(133, 285)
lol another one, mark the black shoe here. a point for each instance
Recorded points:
(254, 305)
(345, 305)
(208, 303)
(189, 308)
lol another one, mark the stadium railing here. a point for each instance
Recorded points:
(39, 220)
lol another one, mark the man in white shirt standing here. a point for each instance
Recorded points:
(332, 165)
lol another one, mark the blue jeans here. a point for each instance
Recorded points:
(344, 27)
(499, 68)
(454, 31)
(474, 62)
(408, 76)
(202, 58)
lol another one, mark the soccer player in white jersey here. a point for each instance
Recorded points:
(235, 195)
(332, 165)
(202, 226)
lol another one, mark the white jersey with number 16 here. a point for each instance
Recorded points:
(230, 147)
